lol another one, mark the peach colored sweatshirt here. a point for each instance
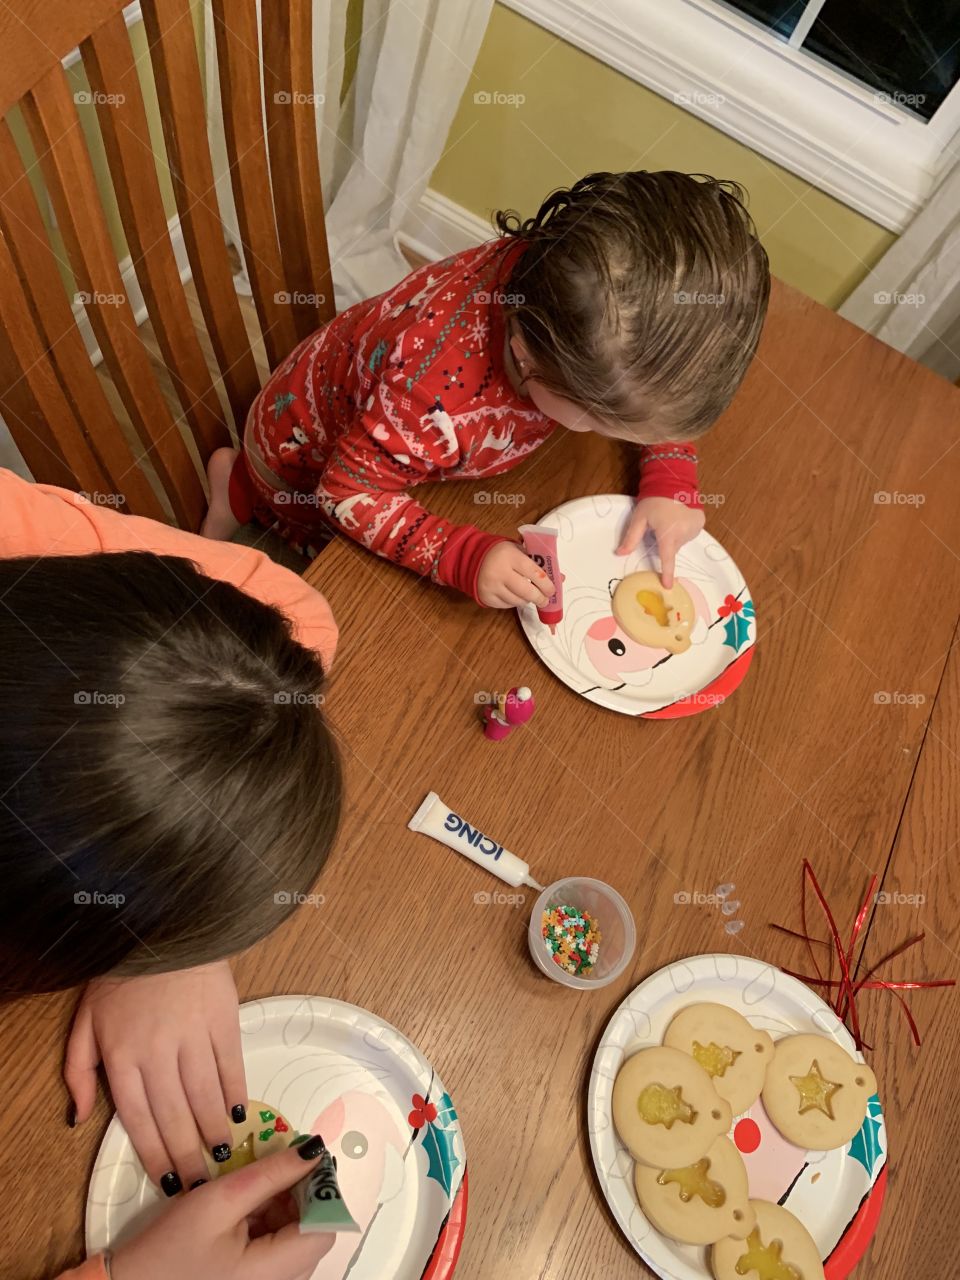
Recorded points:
(38, 519)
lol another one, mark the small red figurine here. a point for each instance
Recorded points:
(507, 712)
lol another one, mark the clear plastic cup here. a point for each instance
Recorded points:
(618, 934)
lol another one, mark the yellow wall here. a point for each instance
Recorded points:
(580, 115)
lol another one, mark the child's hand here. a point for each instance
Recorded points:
(170, 1043)
(241, 1227)
(673, 524)
(509, 577)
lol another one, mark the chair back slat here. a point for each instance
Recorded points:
(180, 93)
(51, 117)
(238, 60)
(122, 374)
(36, 35)
(112, 72)
(292, 111)
(40, 416)
(102, 452)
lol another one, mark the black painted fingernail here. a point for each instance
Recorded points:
(312, 1148)
(199, 1183)
(72, 1117)
(238, 1113)
(221, 1152)
(170, 1184)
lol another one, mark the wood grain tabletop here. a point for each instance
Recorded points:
(834, 483)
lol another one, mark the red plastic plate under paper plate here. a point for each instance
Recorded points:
(447, 1253)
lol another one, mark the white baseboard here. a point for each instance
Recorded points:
(438, 227)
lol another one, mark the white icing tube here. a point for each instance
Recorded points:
(435, 819)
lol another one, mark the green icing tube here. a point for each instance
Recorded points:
(321, 1204)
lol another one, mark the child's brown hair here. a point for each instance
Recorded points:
(641, 296)
(168, 785)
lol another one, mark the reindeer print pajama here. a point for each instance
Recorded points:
(400, 389)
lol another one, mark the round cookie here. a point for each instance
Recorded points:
(653, 615)
(778, 1248)
(666, 1109)
(701, 1203)
(263, 1131)
(815, 1093)
(732, 1052)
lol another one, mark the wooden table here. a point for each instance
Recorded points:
(856, 599)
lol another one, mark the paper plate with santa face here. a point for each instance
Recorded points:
(330, 1068)
(837, 1195)
(592, 653)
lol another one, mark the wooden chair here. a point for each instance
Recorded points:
(51, 396)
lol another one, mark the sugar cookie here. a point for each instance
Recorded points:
(815, 1093)
(263, 1131)
(666, 1109)
(701, 1203)
(778, 1248)
(732, 1052)
(653, 615)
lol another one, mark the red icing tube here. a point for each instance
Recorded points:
(540, 545)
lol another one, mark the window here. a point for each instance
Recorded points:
(859, 97)
(908, 50)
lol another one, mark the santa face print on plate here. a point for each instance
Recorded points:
(594, 653)
(837, 1194)
(338, 1071)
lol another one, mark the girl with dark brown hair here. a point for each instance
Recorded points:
(169, 789)
(631, 304)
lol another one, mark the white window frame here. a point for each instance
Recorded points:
(818, 123)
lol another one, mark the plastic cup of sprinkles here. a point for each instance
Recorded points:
(581, 933)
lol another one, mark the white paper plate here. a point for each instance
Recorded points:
(334, 1069)
(592, 655)
(835, 1194)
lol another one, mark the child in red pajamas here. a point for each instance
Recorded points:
(630, 305)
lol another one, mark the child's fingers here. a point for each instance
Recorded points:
(229, 1054)
(82, 1060)
(527, 592)
(171, 1110)
(668, 561)
(130, 1097)
(632, 535)
(285, 1255)
(245, 1191)
(201, 1084)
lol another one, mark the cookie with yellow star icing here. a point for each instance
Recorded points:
(701, 1203)
(779, 1247)
(264, 1130)
(815, 1093)
(666, 1110)
(732, 1052)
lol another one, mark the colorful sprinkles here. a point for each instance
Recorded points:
(573, 938)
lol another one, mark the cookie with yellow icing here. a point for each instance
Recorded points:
(263, 1131)
(666, 1110)
(732, 1052)
(652, 614)
(778, 1248)
(815, 1093)
(702, 1202)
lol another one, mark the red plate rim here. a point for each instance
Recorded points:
(446, 1252)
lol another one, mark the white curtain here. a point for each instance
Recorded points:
(911, 299)
(377, 150)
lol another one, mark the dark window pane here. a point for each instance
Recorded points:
(908, 49)
(780, 16)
